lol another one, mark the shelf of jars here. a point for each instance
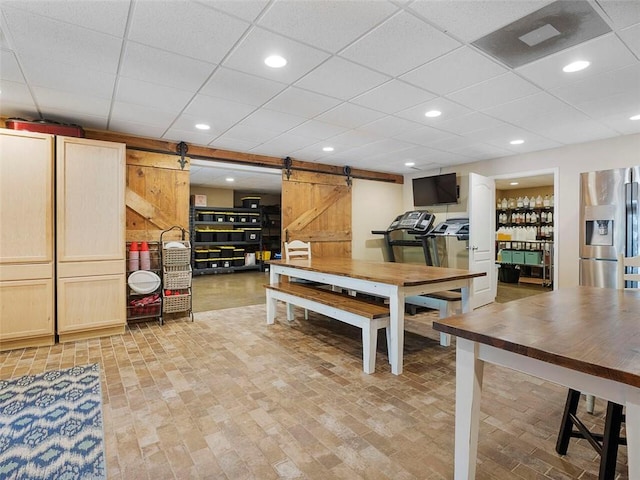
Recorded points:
(526, 202)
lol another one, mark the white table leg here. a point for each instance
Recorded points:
(396, 324)
(271, 308)
(469, 370)
(632, 425)
(466, 299)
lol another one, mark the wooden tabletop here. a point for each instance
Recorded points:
(588, 329)
(401, 274)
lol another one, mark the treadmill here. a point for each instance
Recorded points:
(418, 223)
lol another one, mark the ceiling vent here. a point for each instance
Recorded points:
(553, 28)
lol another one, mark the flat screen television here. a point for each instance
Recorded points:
(435, 190)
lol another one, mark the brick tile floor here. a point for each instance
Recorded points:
(229, 397)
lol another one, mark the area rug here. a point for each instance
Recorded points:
(51, 426)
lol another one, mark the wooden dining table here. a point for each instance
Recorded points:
(394, 281)
(584, 338)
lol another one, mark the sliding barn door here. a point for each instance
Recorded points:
(316, 208)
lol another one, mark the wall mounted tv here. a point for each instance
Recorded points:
(435, 190)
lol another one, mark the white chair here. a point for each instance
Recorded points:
(298, 250)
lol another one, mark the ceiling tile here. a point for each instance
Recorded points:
(15, 93)
(129, 112)
(217, 112)
(276, 122)
(163, 98)
(495, 91)
(86, 121)
(448, 108)
(605, 53)
(76, 79)
(389, 126)
(327, 24)
(106, 17)
(392, 97)
(349, 115)
(301, 102)
(317, 130)
(621, 12)
(468, 123)
(577, 131)
(177, 134)
(149, 64)
(73, 45)
(241, 87)
(136, 128)
(335, 78)
(70, 102)
(186, 28)
(472, 19)
(456, 70)
(226, 142)
(249, 56)
(282, 145)
(249, 134)
(353, 138)
(9, 68)
(400, 44)
(423, 136)
(245, 9)
(631, 38)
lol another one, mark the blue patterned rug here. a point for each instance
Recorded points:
(51, 426)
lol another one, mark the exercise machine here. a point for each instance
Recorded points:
(418, 223)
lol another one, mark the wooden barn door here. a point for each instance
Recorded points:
(316, 208)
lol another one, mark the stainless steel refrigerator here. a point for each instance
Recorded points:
(609, 219)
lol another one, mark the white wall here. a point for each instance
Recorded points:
(373, 206)
(570, 161)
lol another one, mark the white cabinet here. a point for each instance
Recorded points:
(90, 238)
(26, 239)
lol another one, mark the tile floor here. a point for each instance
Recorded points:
(229, 397)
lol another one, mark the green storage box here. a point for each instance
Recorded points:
(518, 257)
(533, 258)
(507, 256)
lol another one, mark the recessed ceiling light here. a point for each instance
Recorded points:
(635, 117)
(202, 126)
(275, 61)
(433, 113)
(327, 149)
(513, 183)
(229, 179)
(576, 66)
(516, 142)
(409, 164)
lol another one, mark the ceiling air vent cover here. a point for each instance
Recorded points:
(557, 26)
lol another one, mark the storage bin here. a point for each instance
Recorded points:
(236, 235)
(205, 216)
(231, 217)
(518, 257)
(238, 252)
(204, 235)
(238, 261)
(243, 218)
(201, 263)
(219, 217)
(176, 276)
(201, 253)
(176, 303)
(250, 202)
(533, 258)
(225, 262)
(509, 274)
(263, 255)
(220, 236)
(213, 253)
(507, 256)
(251, 234)
(176, 256)
(214, 263)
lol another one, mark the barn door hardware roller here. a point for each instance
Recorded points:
(286, 163)
(347, 173)
(182, 149)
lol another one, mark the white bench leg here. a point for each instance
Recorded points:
(290, 313)
(271, 308)
(369, 343)
(388, 335)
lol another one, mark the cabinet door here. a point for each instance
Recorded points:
(90, 245)
(91, 306)
(26, 239)
(90, 181)
(26, 197)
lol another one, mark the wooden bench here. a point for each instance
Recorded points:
(446, 302)
(368, 316)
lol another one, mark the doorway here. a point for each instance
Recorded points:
(525, 213)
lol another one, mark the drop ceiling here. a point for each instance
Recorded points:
(359, 78)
